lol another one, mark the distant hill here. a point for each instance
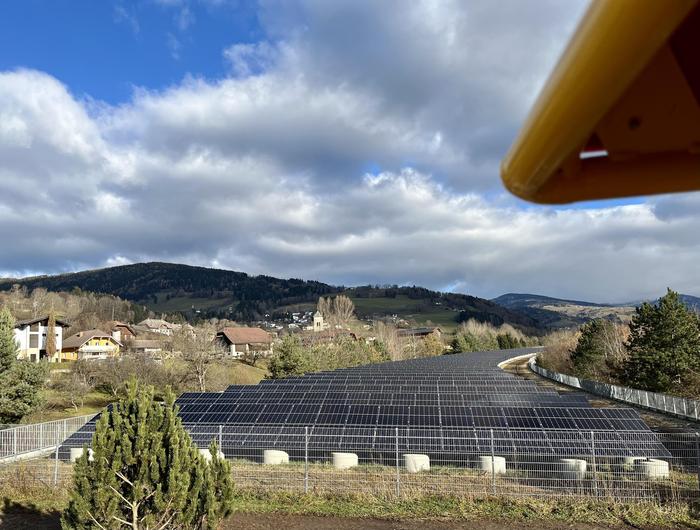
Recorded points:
(170, 288)
(692, 302)
(561, 313)
(204, 292)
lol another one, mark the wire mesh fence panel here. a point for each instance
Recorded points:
(22, 439)
(472, 462)
(387, 462)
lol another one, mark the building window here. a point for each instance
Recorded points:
(33, 340)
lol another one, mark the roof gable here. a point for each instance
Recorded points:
(42, 319)
(245, 335)
(80, 338)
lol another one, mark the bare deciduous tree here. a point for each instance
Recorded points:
(387, 335)
(343, 310)
(324, 307)
(199, 350)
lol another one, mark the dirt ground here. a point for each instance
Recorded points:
(298, 522)
(26, 520)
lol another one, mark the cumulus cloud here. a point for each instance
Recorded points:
(358, 143)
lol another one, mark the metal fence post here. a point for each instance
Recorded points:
(697, 455)
(595, 471)
(14, 441)
(55, 468)
(493, 466)
(398, 468)
(221, 436)
(306, 460)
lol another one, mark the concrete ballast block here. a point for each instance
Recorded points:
(495, 464)
(628, 462)
(652, 468)
(207, 454)
(572, 468)
(273, 457)
(415, 463)
(77, 452)
(344, 460)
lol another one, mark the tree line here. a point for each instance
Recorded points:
(659, 351)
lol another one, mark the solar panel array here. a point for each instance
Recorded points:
(452, 403)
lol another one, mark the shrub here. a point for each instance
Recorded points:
(145, 472)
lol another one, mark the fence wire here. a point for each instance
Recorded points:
(398, 462)
(21, 440)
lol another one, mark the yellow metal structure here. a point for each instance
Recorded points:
(620, 113)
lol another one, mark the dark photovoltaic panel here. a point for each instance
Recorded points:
(459, 403)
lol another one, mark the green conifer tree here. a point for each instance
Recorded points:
(20, 381)
(144, 471)
(589, 355)
(664, 345)
(8, 345)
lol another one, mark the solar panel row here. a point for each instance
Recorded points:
(452, 403)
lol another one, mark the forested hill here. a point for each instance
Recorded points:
(204, 292)
(170, 287)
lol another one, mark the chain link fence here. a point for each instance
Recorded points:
(395, 462)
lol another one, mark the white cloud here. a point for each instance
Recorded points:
(359, 143)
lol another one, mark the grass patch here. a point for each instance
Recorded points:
(58, 407)
(409, 309)
(466, 509)
(29, 487)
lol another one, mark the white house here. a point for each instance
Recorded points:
(246, 342)
(30, 336)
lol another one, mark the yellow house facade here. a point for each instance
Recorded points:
(93, 344)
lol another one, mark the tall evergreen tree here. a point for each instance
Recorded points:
(664, 345)
(589, 356)
(144, 472)
(8, 345)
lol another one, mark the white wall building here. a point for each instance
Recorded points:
(30, 336)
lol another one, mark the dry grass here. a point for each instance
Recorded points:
(370, 491)
(557, 353)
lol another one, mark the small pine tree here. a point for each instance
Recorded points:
(8, 345)
(664, 345)
(144, 472)
(50, 346)
(219, 488)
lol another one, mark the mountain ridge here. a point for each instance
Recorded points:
(202, 292)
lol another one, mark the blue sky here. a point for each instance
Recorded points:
(348, 141)
(104, 49)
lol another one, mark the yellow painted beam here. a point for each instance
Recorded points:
(618, 56)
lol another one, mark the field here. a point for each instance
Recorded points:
(408, 309)
(58, 407)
